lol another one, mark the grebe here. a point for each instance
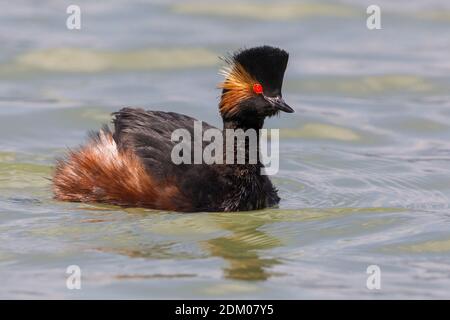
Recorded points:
(132, 166)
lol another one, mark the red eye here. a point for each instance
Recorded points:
(257, 88)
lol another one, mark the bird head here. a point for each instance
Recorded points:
(252, 85)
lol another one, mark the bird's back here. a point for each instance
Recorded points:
(149, 135)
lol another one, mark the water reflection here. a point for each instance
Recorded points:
(242, 245)
(242, 249)
(242, 240)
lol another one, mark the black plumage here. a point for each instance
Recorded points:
(215, 187)
(144, 137)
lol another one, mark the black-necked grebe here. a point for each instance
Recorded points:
(132, 165)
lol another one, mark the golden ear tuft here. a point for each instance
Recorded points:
(237, 86)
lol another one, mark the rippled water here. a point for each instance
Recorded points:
(365, 160)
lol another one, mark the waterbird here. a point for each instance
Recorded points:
(131, 165)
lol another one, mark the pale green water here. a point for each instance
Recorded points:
(365, 160)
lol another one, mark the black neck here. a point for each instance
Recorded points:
(244, 123)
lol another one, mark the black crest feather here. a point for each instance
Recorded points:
(266, 64)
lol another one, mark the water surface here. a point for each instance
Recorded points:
(365, 159)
